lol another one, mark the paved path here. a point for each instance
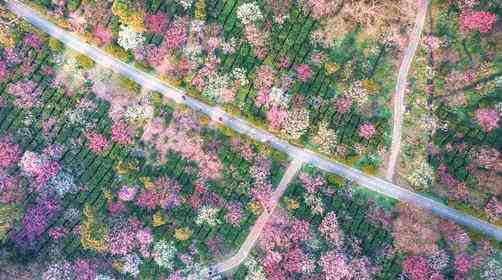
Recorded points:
(401, 84)
(373, 183)
(257, 228)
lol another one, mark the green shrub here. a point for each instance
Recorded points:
(84, 61)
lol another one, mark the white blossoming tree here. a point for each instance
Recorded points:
(163, 254)
(130, 39)
(208, 215)
(297, 123)
(249, 13)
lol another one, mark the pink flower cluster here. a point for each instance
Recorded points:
(25, 92)
(367, 131)
(234, 214)
(416, 268)
(176, 35)
(3, 70)
(103, 35)
(262, 193)
(40, 167)
(303, 72)
(97, 142)
(494, 209)
(281, 241)
(322, 8)
(487, 118)
(243, 148)
(164, 193)
(33, 41)
(456, 189)
(265, 77)
(477, 20)
(335, 266)
(343, 104)
(127, 193)
(310, 183)
(157, 23)
(121, 240)
(276, 117)
(120, 133)
(9, 153)
(329, 228)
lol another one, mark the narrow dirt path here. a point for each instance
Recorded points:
(257, 228)
(401, 84)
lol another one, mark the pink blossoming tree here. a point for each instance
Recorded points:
(487, 118)
(9, 153)
(367, 131)
(97, 142)
(477, 21)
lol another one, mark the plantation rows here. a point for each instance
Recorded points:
(353, 220)
(96, 172)
(457, 160)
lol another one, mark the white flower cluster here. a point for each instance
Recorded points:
(63, 183)
(103, 277)
(208, 215)
(277, 97)
(193, 52)
(493, 268)
(216, 87)
(163, 254)
(186, 4)
(138, 113)
(357, 93)
(77, 116)
(131, 264)
(498, 81)
(239, 75)
(249, 13)
(498, 107)
(422, 177)
(325, 138)
(315, 203)
(130, 39)
(255, 271)
(439, 260)
(297, 123)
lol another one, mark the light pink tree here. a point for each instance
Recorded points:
(343, 104)
(303, 72)
(462, 264)
(367, 131)
(102, 34)
(329, 228)
(487, 118)
(3, 70)
(9, 153)
(120, 133)
(335, 266)
(25, 92)
(33, 41)
(176, 35)
(276, 117)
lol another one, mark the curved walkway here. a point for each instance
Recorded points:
(257, 228)
(147, 80)
(401, 84)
